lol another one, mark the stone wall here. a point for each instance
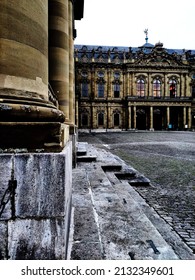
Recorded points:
(35, 204)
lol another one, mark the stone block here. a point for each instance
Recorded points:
(5, 176)
(3, 240)
(36, 239)
(40, 185)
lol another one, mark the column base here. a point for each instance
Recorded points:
(35, 136)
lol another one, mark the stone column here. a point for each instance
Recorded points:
(184, 117)
(25, 109)
(24, 49)
(189, 117)
(129, 109)
(168, 116)
(59, 52)
(71, 67)
(151, 118)
(134, 117)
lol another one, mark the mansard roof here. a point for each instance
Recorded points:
(146, 51)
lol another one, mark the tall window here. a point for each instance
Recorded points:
(140, 88)
(173, 88)
(116, 119)
(84, 89)
(101, 119)
(157, 85)
(100, 90)
(116, 90)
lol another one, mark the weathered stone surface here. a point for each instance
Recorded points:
(33, 239)
(5, 176)
(86, 251)
(3, 240)
(39, 228)
(40, 185)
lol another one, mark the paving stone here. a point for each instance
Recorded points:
(161, 157)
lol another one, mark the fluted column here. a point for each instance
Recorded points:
(59, 70)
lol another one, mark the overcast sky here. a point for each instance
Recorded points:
(122, 23)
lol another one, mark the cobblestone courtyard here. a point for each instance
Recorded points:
(168, 160)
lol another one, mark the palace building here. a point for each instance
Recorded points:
(148, 87)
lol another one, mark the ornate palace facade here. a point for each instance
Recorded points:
(148, 87)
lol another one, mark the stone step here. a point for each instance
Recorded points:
(81, 153)
(86, 158)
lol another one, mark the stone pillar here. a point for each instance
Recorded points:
(151, 118)
(128, 83)
(109, 117)
(109, 83)
(71, 67)
(189, 117)
(168, 116)
(59, 52)
(24, 101)
(134, 117)
(184, 117)
(129, 109)
(24, 49)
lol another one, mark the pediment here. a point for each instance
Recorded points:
(158, 58)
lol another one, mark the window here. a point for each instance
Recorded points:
(84, 91)
(100, 119)
(100, 90)
(117, 75)
(100, 74)
(173, 88)
(116, 90)
(157, 88)
(116, 119)
(140, 88)
(84, 119)
(193, 91)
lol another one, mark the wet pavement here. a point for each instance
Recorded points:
(167, 159)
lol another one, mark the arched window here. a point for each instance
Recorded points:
(84, 89)
(157, 88)
(101, 119)
(116, 90)
(140, 88)
(100, 90)
(173, 88)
